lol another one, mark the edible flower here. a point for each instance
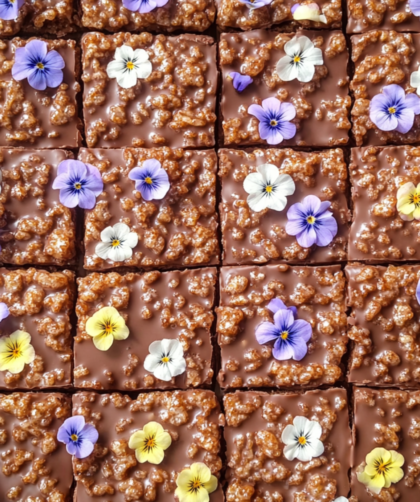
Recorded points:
(302, 440)
(256, 4)
(195, 483)
(150, 443)
(415, 76)
(308, 12)
(79, 184)
(4, 311)
(393, 110)
(78, 436)
(274, 117)
(311, 222)
(290, 335)
(9, 9)
(418, 292)
(105, 326)
(129, 65)
(300, 60)
(117, 243)
(240, 82)
(143, 6)
(408, 201)
(42, 68)
(166, 359)
(268, 189)
(16, 351)
(414, 7)
(383, 467)
(151, 179)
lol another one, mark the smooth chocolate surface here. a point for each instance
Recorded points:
(174, 106)
(183, 15)
(40, 303)
(257, 468)
(322, 105)
(236, 14)
(250, 237)
(35, 466)
(384, 325)
(245, 292)
(378, 232)
(364, 15)
(43, 119)
(155, 305)
(36, 227)
(382, 58)
(386, 419)
(112, 471)
(178, 230)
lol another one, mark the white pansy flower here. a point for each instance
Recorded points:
(166, 359)
(302, 440)
(117, 243)
(415, 80)
(300, 60)
(128, 65)
(268, 189)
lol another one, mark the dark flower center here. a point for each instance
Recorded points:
(311, 220)
(415, 199)
(74, 437)
(273, 122)
(148, 180)
(195, 485)
(149, 443)
(77, 186)
(40, 66)
(284, 335)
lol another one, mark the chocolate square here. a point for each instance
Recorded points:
(382, 58)
(237, 14)
(322, 105)
(36, 227)
(378, 232)
(386, 419)
(384, 325)
(260, 237)
(178, 230)
(364, 15)
(174, 106)
(155, 306)
(111, 15)
(34, 465)
(42, 16)
(257, 467)
(40, 303)
(41, 119)
(112, 471)
(245, 293)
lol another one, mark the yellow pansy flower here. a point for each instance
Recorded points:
(16, 351)
(105, 326)
(383, 468)
(195, 484)
(150, 443)
(408, 201)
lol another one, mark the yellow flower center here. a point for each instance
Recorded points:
(302, 440)
(74, 437)
(194, 485)
(273, 122)
(40, 66)
(115, 243)
(296, 59)
(130, 65)
(16, 351)
(284, 335)
(415, 199)
(268, 188)
(310, 220)
(77, 186)
(165, 359)
(148, 180)
(392, 110)
(109, 328)
(149, 443)
(381, 467)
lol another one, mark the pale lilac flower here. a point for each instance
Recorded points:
(42, 68)
(151, 179)
(4, 311)
(240, 82)
(79, 184)
(274, 117)
(311, 222)
(393, 109)
(143, 6)
(290, 336)
(256, 4)
(414, 7)
(78, 436)
(9, 9)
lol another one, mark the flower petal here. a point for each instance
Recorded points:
(257, 201)
(254, 183)
(266, 332)
(38, 80)
(144, 70)
(84, 449)
(103, 342)
(282, 350)
(89, 433)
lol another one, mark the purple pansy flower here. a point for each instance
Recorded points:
(418, 292)
(414, 7)
(79, 436)
(240, 82)
(151, 179)
(9, 9)
(290, 335)
(4, 311)
(311, 222)
(274, 117)
(79, 184)
(394, 109)
(256, 4)
(143, 6)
